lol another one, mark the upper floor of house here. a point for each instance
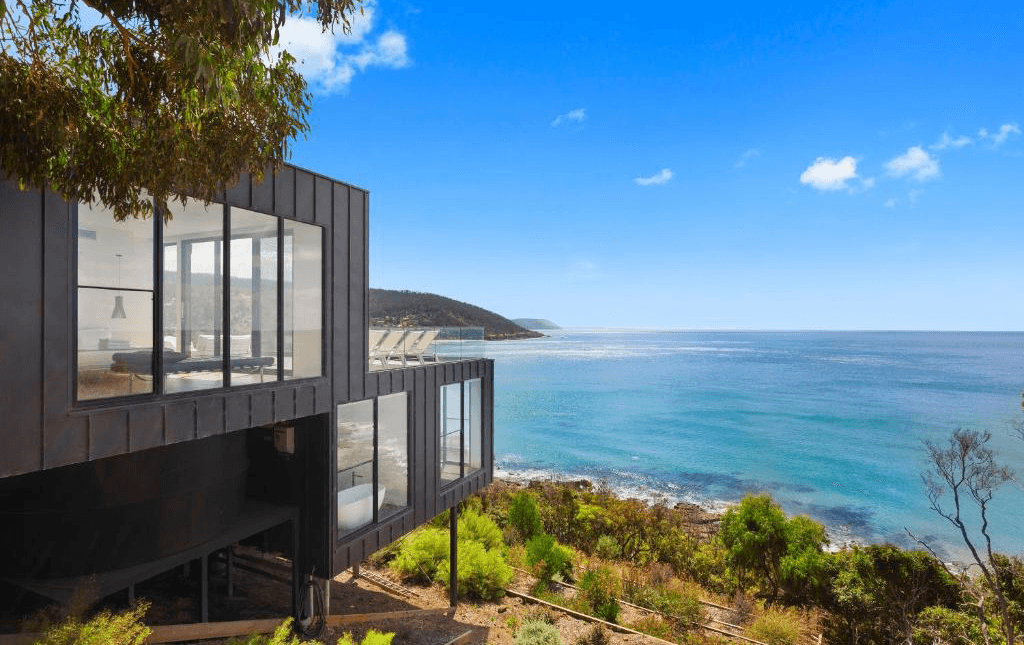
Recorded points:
(117, 337)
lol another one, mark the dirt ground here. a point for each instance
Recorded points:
(262, 589)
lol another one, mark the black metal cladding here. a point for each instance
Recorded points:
(44, 426)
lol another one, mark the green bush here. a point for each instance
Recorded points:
(537, 632)
(524, 516)
(600, 589)
(373, 637)
(607, 548)
(548, 558)
(482, 573)
(683, 605)
(776, 627)
(775, 552)
(104, 629)
(475, 527)
(421, 554)
(944, 625)
(653, 625)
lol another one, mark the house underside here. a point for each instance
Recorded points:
(170, 388)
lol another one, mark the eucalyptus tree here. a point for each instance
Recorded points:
(966, 469)
(171, 97)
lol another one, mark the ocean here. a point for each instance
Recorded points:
(831, 424)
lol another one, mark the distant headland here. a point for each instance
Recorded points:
(535, 323)
(390, 308)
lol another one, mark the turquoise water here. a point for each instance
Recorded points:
(832, 424)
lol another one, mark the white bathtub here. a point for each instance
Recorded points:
(354, 506)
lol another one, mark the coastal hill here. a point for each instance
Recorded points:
(535, 323)
(389, 308)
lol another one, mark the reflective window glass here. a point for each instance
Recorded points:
(303, 300)
(393, 452)
(451, 432)
(253, 297)
(355, 466)
(115, 304)
(193, 297)
(474, 425)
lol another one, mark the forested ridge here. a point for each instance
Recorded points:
(391, 308)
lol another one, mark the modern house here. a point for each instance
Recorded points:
(170, 388)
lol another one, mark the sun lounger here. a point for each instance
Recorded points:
(419, 348)
(387, 347)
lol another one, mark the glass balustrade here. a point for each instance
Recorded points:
(399, 347)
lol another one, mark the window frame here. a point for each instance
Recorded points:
(375, 518)
(157, 295)
(464, 451)
(158, 255)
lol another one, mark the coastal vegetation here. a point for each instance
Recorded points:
(590, 551)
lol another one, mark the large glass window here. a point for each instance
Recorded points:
(355, 466)
(303, 300)
(373, 451)
(193, 297)
(451, 432)
(474, 425)
(393, 452)
(115, 305)
(273, 325)
(253, 297)
(461, 429)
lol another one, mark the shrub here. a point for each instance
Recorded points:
(103, 629)
(482, 573)
(708, 568)
(777, 552)
(607, 548)
(776, 627)
(597, 635)
(542, 614)
(475, 527)
(944, 625)
(524, 516)
(653, 625)
(599, 589)
(547, 558)
(373, 637)
(537, 632)
(682, 604)
(421, 554)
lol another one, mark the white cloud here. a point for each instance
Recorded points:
(1005, 130)
(577, 115)
(914, 195)
(889, 203)
(999, 137)
(655, 180)
(915, 162)
(753, 153)
(329, 61)
(949, 142)
(867, 183)
(830, 174)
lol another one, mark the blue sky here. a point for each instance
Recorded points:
(855, 166)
